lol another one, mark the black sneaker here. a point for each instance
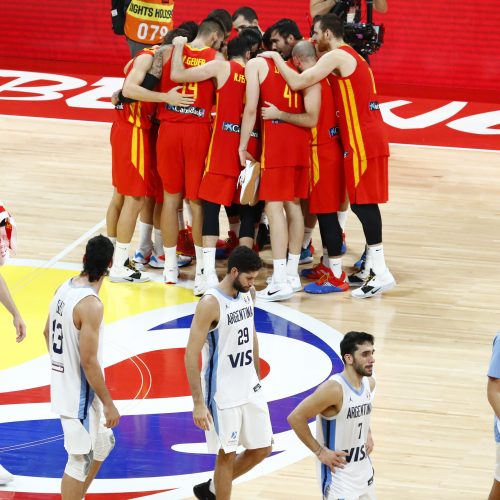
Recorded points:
(202, 491)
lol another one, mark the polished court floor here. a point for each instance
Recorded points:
(432, 424)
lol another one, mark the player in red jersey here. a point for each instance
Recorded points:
(363, 136)
(218, 186)
(132, 144)
(183, 142)
(327, 189)
(285, 162)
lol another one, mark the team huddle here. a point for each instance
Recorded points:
(270, 126)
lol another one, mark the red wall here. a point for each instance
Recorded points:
(430, 46)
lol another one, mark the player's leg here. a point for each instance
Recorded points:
(377, 277)
(113, 214)
(170, 230)
(223, 474)
(143, 253)
(211, 212)
(247, 225)
(295, 220)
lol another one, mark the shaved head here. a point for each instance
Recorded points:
(304, 50)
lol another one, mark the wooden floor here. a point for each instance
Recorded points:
(432, 425)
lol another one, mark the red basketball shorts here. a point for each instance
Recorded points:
(181, 151)
(368, 181)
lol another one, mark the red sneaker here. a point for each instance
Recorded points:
(328, 283)
(316, 272)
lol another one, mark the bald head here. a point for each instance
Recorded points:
(304, 51)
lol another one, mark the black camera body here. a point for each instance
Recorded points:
(364, 38)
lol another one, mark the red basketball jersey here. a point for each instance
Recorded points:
(230, 100)
(139, 114)
(283, 144)
(361, 127)
(204, 92)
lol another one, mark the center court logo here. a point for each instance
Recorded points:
(158, 447)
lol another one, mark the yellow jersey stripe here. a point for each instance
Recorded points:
(141, 153)
(314, 157)
(357, 127)
(355, 159)
(133, 152)
(214, 131)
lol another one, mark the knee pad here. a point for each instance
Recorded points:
(78, 466)
(104, 443)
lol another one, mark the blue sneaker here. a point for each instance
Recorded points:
(359, 265)
(306, 254)
(141, 257)
(328, 283)
(344, 245)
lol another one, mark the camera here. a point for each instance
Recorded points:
(364, 38)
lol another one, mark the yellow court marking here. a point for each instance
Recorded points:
(33, 290)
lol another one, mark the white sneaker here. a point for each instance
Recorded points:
(183, 260)
(275, 292)
(5, 476)
(128, 274)
(291, 280)
(375, 285)
(211, 281)
(359, 278)
(199, 284)
(157, 261)
(142, 256)
(170, 275)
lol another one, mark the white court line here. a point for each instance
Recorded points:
(75, 243)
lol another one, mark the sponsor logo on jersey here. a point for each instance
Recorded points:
(374, 106)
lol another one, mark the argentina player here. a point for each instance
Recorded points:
(228, 401)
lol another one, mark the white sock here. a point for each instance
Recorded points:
(170, 257)
(279, 270)
(292, 266)
(208, 260)
(158, 242)
(376, 252)
(199, 259)
(342, 216)
(336, 266)
(324, 260)
(188, 213)
(180, 219)
(112, 239)
(308, 231)
(211, 486)
(121, 254)
(235, 228)
(145, 243)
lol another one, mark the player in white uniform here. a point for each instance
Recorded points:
(78, 391)
(229, 404)
(342, 406)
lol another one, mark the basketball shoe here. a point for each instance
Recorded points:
(344, 245)
(294, 281)
(127, 273)
(199, 284)
(358, 279)
(202, 491)
(170, 275)
(142, 257)
(228, 245)
(316, 272)
(275, 292)
(375, 285)
(306, 254)
(359, 265)
(328, 283)
(6, 476)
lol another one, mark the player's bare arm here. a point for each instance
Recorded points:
(219, 70)
(326, 400)
(205, 318)
(133, 90)
(9, 304)
(253, 76)
(493, 392)
(320, 7)
(369, 439)
(256, 356)
(87, 317)
(46, 332)
(298, 81)
(308, 119)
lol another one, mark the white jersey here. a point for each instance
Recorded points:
(347, 431)
(70, 392)
(228, 372)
